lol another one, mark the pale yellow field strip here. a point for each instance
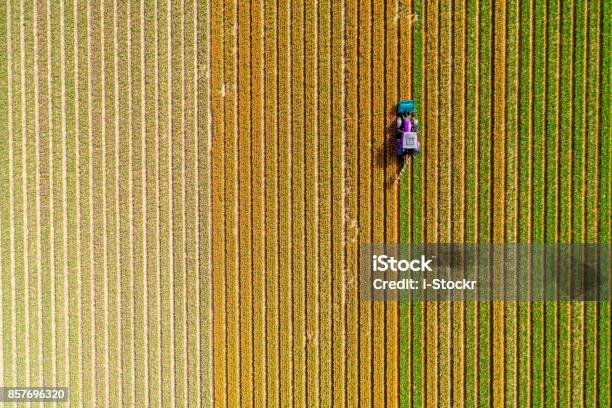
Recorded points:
(10, 373)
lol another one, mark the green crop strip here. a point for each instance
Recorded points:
(484, 195)
(565, 183)
(470, 188)
(411, 228)
(551, 188)
(604, 198)
(406, 229)
(592, 141)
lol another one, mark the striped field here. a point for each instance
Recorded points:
(187, 183)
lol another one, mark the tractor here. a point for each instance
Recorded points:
(406, 139)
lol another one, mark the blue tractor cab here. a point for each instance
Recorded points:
(405, 106)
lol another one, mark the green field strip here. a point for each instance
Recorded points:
(230, 198)
(218, 211)
(604, 201)
(324, 201)
(338, 279)
(298, 204)
(391, 58)
(578, 191)
(551, 336)
(405, 198)
(257, 174)
(592, 336)
(245, 214)
(379, 39)
(430, 148)
(271, 203)
(538, 181)
(284, 193)
(365, 194)
(511, 195)
(484, 166)
(445, 143)
(524, 190)
(565, 194)
(351, 202)
(471, 191)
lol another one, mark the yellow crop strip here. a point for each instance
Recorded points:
(365, 195)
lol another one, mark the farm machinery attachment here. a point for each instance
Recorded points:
(406, 139)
